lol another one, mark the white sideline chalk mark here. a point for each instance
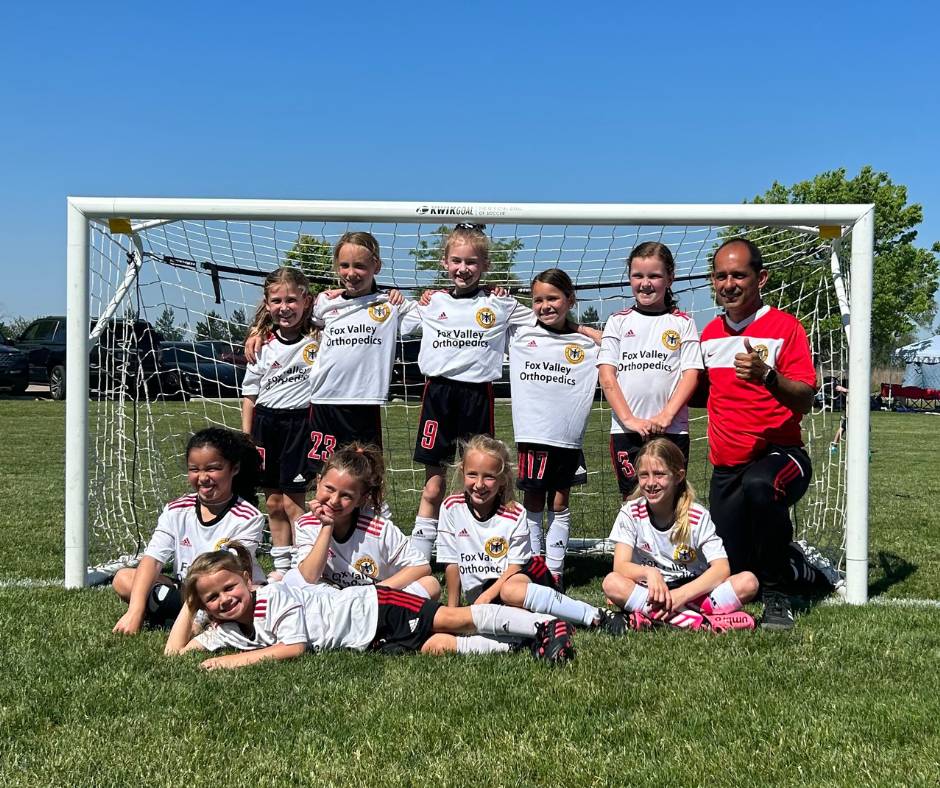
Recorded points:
(881, 601)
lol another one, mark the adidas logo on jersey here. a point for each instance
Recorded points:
(412, 624)
(646, 546)
(186, 542)
(276, 365)
(442, 316)
(463, 532)
(532, 343)
(630, 333)
(300, 477)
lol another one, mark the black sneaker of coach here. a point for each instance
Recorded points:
(778, 612)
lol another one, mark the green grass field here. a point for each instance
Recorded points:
(847, 698)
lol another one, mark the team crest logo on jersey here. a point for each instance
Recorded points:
(671, 339)
(486, 317)
(496, 547)
(220, 545)
(310, 352)
(574, 354)
(684, 554)
(367, 566)
(380, 312)
(762, 351)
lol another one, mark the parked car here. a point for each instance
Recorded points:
(14, 367)
(210, 368)
(126, 356)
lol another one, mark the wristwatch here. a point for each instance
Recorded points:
(770, 377)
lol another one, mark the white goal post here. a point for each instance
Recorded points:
(140, 232)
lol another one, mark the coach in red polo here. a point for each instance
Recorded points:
(761, 383)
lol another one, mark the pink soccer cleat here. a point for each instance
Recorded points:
(724, 622)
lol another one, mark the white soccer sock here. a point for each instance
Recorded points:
(722, 599)
(542, 599)
(637, 599)
(556, 540)
(501, 620)
(534, 519)
(424, 535)
(480, 644)
(281, 556)
(417, 589)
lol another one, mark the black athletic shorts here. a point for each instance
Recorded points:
(549, 468)
(625, 446)
(335, 426)
(535, 569)
(451, 411)
(283, 439)
(406, 621)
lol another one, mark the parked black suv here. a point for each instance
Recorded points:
(126, 356)
(14, 367)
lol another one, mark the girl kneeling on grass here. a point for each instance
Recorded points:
(281, 621)
(223, 469)
(484, 540)
(367, 547)
(669, 563)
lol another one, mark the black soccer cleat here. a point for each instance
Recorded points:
(778, 612)
(614, 623)
(553, 642)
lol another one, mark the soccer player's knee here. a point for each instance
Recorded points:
(432, 586)
(616, 588)
(433, 491)
(123, 583)
(759, 490)
(745, 585)
(513, 590)
(439, 644)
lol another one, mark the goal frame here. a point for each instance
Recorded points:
(855, 218)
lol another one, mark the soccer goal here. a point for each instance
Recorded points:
(160, 292)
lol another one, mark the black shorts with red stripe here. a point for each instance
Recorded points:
(406, 621)
(535, 569)
(451, 411)
(544, 468)
(335, 426)
(624, 448)
(750, 506)
(283, 440)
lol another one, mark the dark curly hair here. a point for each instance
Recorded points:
(238, 449)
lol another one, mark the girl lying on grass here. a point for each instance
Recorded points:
(280, 621)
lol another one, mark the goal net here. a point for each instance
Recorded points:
(169, 301)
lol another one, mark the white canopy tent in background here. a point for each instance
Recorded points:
(923, 363)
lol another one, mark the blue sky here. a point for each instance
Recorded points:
(511, 101)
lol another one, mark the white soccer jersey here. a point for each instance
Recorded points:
(319, 616)
(373, 551)
(553, 376)
(464, 337)
(357, 348)
(650, 353)
(182, 535)
(652, 547)
(280, 378)
(482, 550)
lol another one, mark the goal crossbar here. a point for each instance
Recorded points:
(854, 219)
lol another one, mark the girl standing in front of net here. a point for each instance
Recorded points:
(276, 404)
(553, 374)
(649, 364)
(462, 345)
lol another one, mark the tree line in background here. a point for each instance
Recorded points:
(906, 276)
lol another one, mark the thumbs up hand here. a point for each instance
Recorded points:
(749, 365)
